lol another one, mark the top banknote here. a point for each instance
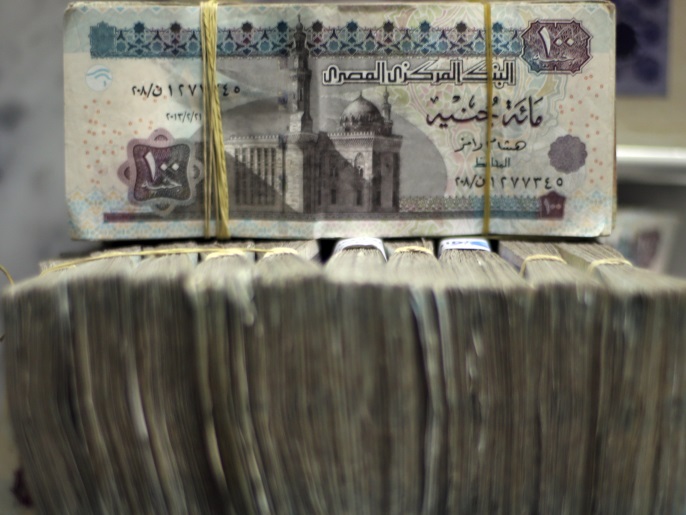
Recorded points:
(344, 120)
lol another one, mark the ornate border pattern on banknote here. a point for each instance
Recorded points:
(351, 39)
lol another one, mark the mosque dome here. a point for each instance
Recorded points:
(361, 115)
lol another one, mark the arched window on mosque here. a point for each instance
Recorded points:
(359, 180)
(359, 164)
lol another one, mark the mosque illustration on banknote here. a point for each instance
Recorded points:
(353, 169)
(320, 137)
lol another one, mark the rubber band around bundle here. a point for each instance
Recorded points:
(538, 257)
(607, 261)
(276, 251)
(214, 159)
(413, 248)
(489, 111)
(212, 252)
(247, 250)
(488, 36)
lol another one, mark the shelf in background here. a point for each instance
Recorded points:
(662, 166)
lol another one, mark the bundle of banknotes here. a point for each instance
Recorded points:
(251, 378)
(339, 120)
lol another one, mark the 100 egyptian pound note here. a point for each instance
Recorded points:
(340, 120)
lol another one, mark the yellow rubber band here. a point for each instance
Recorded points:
(214, 158)
(241, 251)
(607, 261)
(413, 248)
(488, 36)
(213, 252)
(228, 252)
(489, 111)
(538, 257)
(278, 250)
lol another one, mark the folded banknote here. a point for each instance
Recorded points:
(340, 120)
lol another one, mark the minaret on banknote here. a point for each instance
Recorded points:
(300, 141)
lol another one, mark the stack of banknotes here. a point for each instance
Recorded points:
(251, 378)
(340, 120)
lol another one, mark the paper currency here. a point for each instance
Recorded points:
(640, 415)
(197, 379)
(343, 120)
(561, 368)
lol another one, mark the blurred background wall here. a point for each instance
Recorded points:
(33, 216)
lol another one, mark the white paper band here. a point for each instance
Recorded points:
(360, 243)
(463, 244)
